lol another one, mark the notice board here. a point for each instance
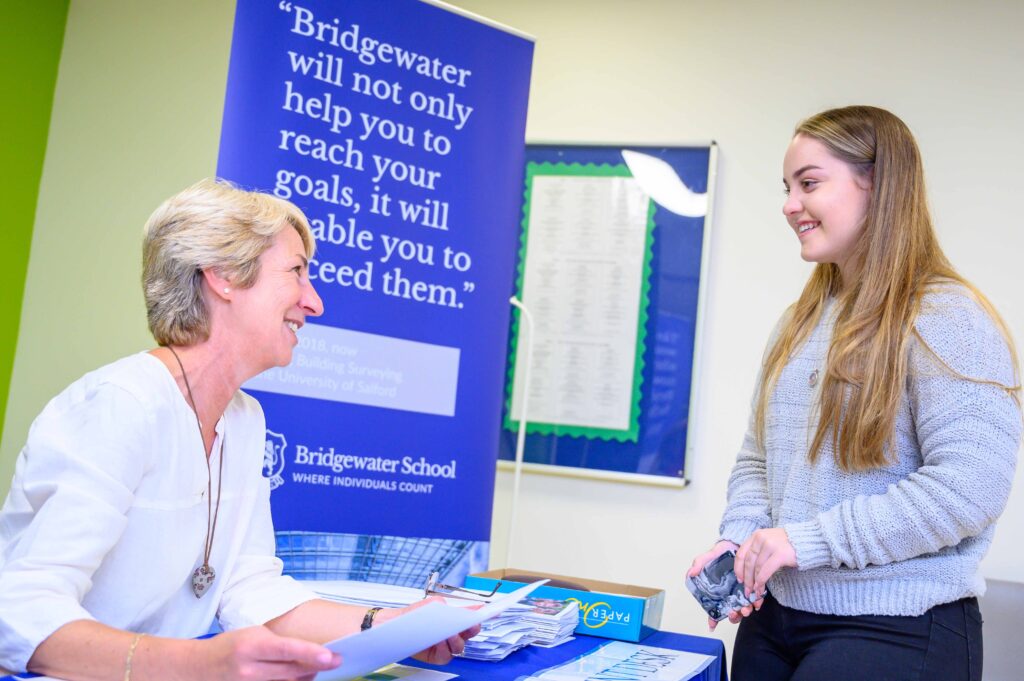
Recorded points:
(612, 261)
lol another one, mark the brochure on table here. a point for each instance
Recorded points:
(620, 660)
(369, 650)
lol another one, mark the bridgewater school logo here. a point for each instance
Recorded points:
(273, 459)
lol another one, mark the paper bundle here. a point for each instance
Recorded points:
(535, 621)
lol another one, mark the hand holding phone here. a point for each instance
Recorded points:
(716, 588)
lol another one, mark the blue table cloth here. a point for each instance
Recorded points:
(532, 659)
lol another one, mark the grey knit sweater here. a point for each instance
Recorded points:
(900, 539)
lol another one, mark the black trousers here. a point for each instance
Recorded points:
(778, 643)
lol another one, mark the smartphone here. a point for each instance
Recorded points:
(717, 589)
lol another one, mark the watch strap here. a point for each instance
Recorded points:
(368, 619)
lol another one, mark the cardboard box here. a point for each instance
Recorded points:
(609, 610)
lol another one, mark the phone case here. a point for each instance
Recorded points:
(716, 588)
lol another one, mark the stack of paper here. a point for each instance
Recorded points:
(418, 629)
(366, 594)
(534, 621)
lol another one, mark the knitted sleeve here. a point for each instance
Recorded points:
(748, 506)
(968, 428)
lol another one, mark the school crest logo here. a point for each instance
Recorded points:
(273, 459)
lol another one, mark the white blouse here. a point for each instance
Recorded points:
(107, 515)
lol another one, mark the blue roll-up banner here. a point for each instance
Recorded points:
(398, 127)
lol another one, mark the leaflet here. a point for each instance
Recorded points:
(399, 671)
(369, 650)
(619, 660)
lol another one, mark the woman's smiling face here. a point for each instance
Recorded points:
(827, 201)
(267, 315)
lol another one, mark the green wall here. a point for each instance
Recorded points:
(31, 35)
(136, 117)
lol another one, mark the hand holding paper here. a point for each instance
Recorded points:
(415, 631)
(441, 652)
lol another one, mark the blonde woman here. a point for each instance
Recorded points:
(138, 514)
(884, 433)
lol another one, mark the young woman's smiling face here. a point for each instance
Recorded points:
(826, 202)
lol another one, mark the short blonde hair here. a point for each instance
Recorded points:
(210, 225)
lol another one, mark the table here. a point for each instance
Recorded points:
(532, 659)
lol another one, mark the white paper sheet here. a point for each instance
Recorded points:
(398, 671)
(582, 281)
(350, 591)
(619, 660)
(369, 650)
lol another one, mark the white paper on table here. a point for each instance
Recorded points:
(365, 592)
(399, 671)
(369, 650)
(619, 660)
(509, 628)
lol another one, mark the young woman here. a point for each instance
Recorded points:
(884, 434)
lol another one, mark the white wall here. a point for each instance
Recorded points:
(137, 114)
(743, 74)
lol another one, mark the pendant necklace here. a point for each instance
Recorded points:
(204, 575)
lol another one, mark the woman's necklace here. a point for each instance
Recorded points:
(204, 575)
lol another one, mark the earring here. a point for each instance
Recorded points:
(227, 290)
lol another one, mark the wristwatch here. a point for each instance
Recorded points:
(368, 619)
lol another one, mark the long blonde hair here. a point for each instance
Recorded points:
(895, 260)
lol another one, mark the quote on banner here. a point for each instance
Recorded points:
(398, 128)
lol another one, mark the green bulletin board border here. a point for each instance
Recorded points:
(630, 434)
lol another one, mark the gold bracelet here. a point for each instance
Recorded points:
(131, 654)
